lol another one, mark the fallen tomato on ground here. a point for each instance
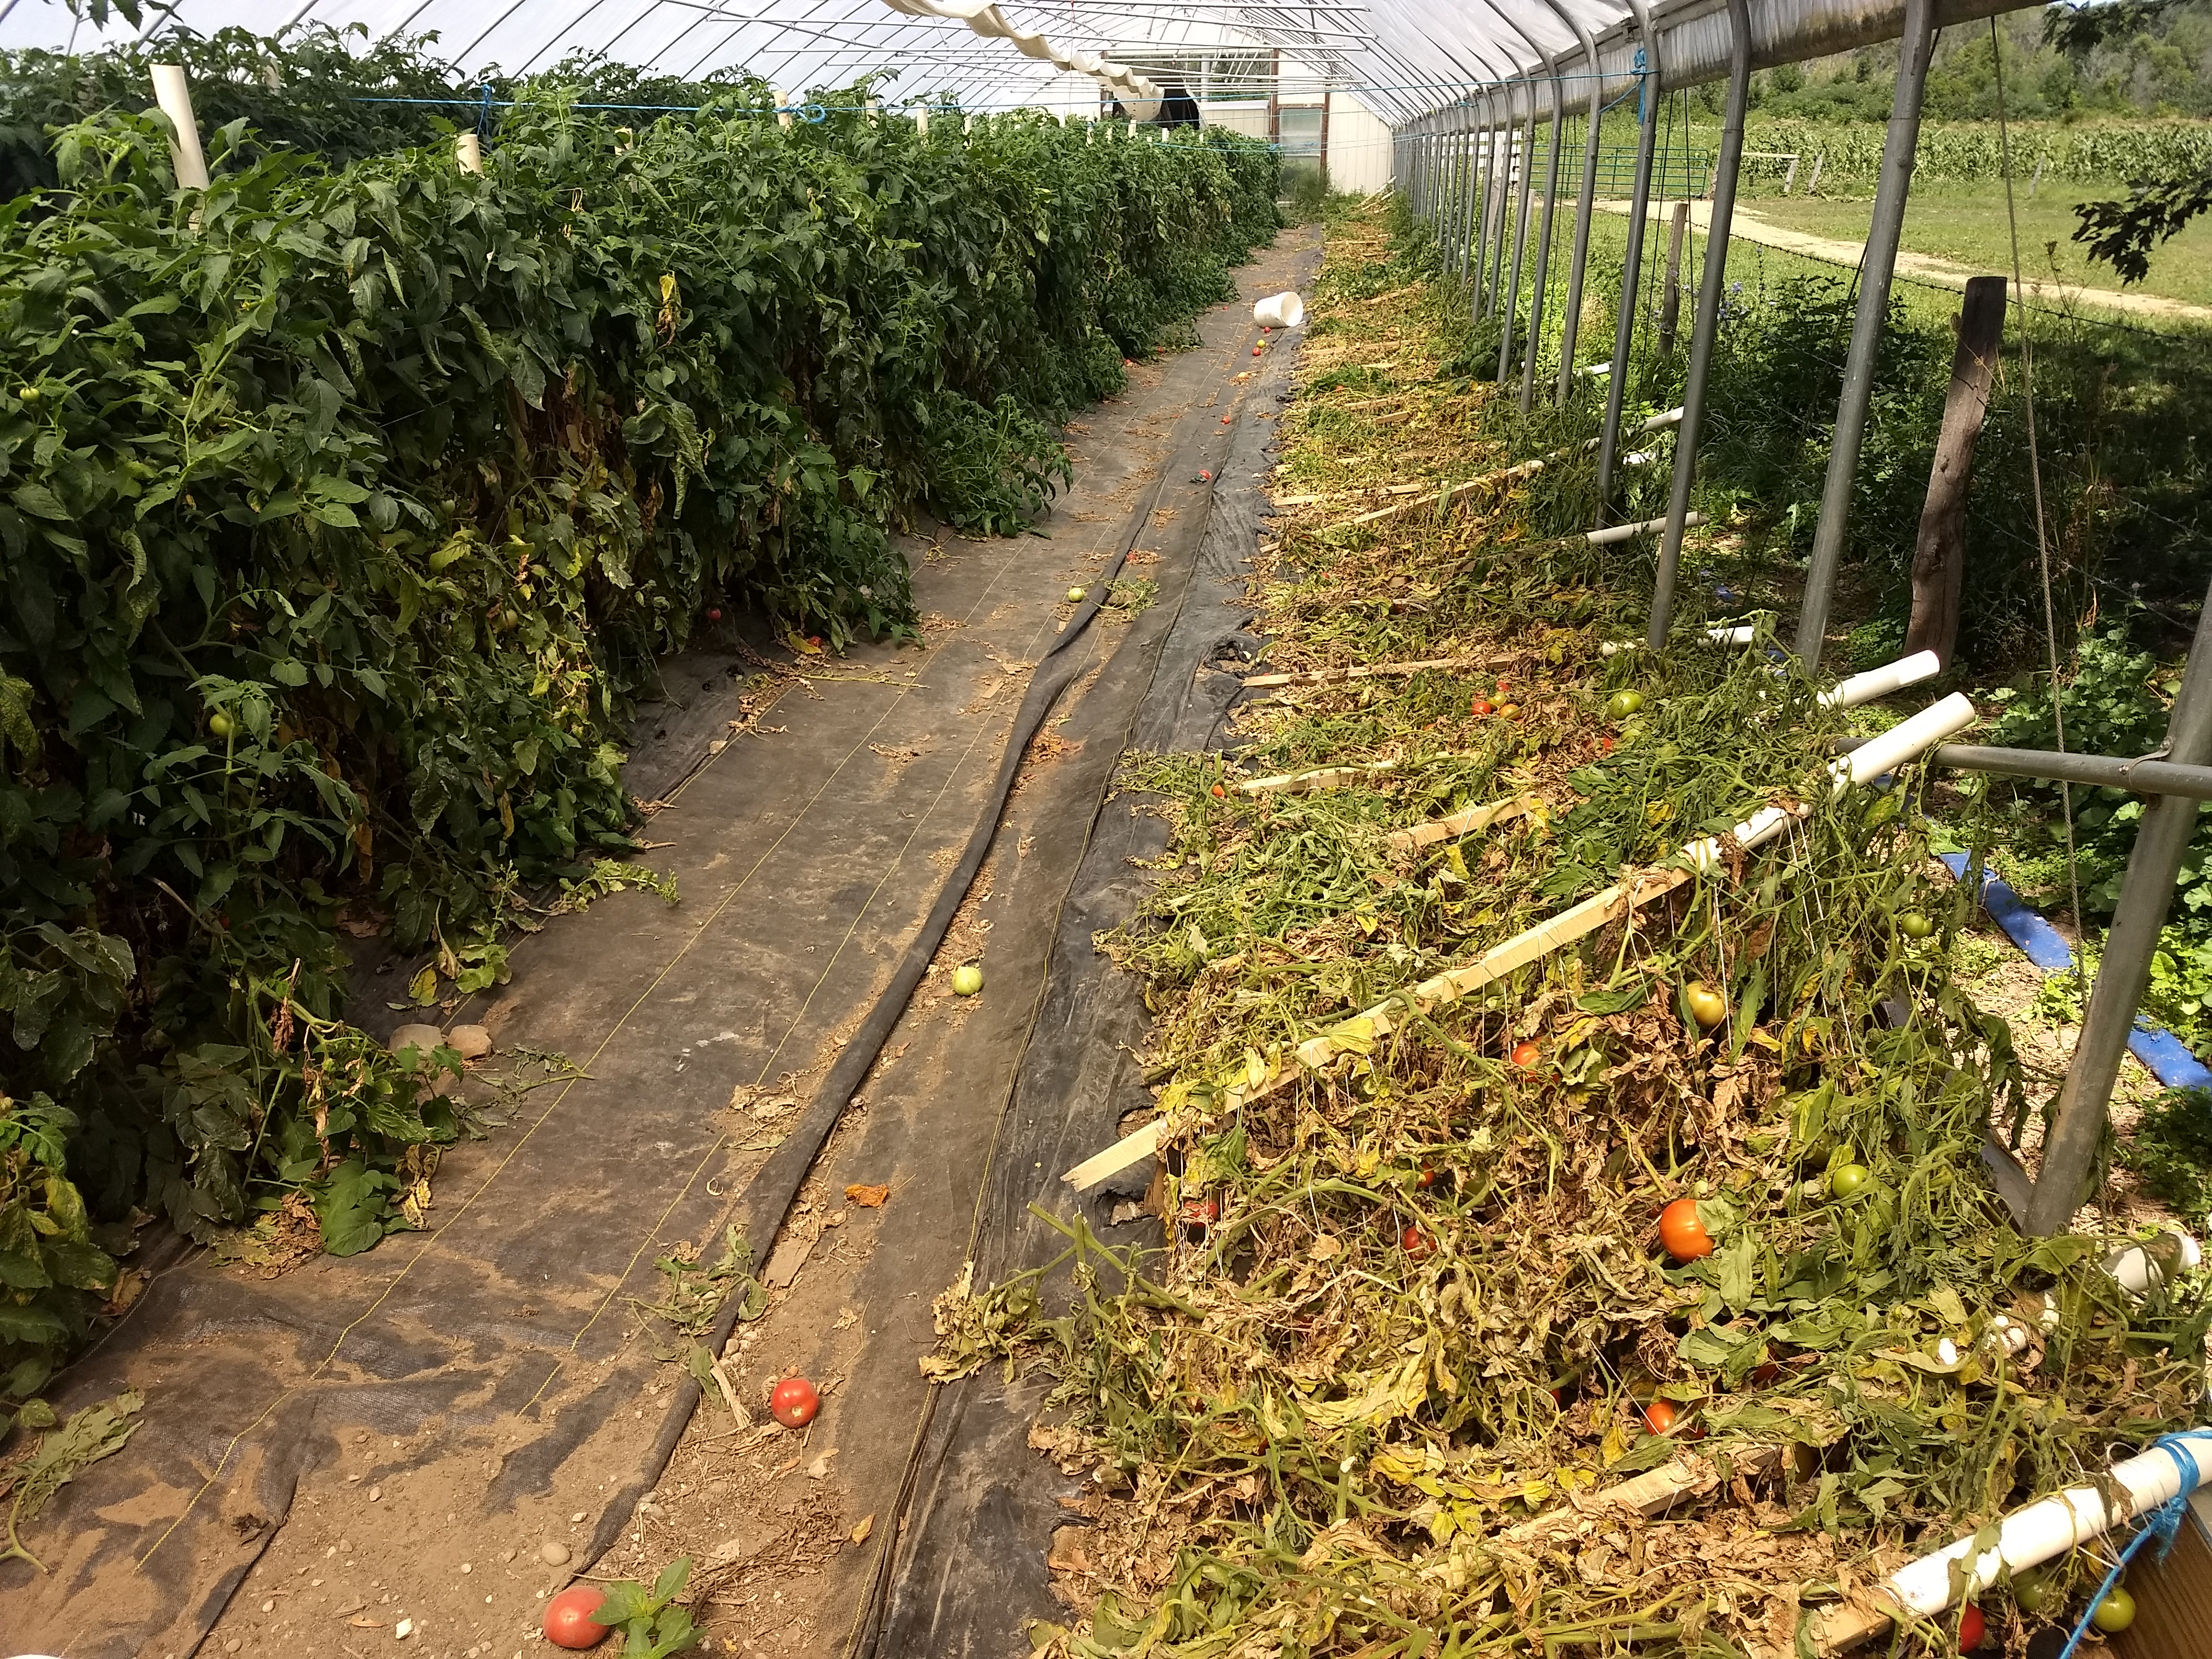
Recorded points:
(794, 1403)
(568, 1621)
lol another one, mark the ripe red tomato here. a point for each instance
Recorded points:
(1202, 1210)
(1680, 1232)
(1660, 1417)
(1417, 1244)
(1428, 1178)
(1526, 1054)
(714, 614)
(794, 1402)
(1482, 706)
(1972, 1628)
(568, 1621)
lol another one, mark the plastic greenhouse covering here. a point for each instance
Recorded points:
(1401, 60)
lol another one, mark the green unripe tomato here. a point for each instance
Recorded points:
(29, 394)
(221, 725)
(967, 980)
(1622, 704)
(1847, 1180)
(1913, 925)
(2032, 1591)
(1075, 596)
(2115, 1613)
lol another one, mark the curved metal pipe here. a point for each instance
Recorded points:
(1571, 324)
(1707, 326)
(1876, 266)
(1632, 271)
(1537, 278)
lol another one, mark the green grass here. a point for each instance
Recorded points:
(1966, 224)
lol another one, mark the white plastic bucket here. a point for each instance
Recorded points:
(1283, 310)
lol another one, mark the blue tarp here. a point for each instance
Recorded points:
(2168, 1058)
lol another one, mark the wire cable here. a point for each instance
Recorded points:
(2035, 480)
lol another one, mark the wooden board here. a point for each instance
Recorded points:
(2173, 1597)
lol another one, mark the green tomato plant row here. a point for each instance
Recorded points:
(342, 509)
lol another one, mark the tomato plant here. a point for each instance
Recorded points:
(346, 506)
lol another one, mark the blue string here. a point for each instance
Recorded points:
(2163, 1523)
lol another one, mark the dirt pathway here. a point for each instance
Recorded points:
(1924, 267)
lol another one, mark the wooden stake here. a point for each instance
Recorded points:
(1939, 555)
(1466, 822)
(1651, 1493)
(1670, 299)
(1314, 782)
(1338, 676)
(1360, 1032)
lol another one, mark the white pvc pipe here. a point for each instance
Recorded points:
(1622, 532)
(1881, 681)
(468, 150)
(2046, 1529)
(174, 95)
(1672, 417)
(1893, 748)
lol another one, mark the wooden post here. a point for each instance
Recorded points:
(1670, 303)
(1325, 100)
(1939, 555)
(1812, 184)
(1275, 99)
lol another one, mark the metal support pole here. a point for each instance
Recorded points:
(1477, 215)
(1536, 296)
(1876, 266)
(1639, 208)
(1708, 319)
(1503, 222)
(1570, 325)
(2077, 1125)
(1520, 242)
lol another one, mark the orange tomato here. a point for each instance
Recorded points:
(1680, 1232)
(1660, 1416)
(1526, 1054)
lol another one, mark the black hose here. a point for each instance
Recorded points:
(769, 1195)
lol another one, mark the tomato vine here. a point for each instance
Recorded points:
(345, 506)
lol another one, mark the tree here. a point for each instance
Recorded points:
(2123, 231)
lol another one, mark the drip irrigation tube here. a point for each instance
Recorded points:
(769, 1195)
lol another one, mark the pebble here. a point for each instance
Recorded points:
(268, 1606)
(234, 1644)
(469, 1041)
(376, 1493)
(577, 1516)
(415, 1036)
(553, 1553)
(505, 1556)
(465, 1566)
